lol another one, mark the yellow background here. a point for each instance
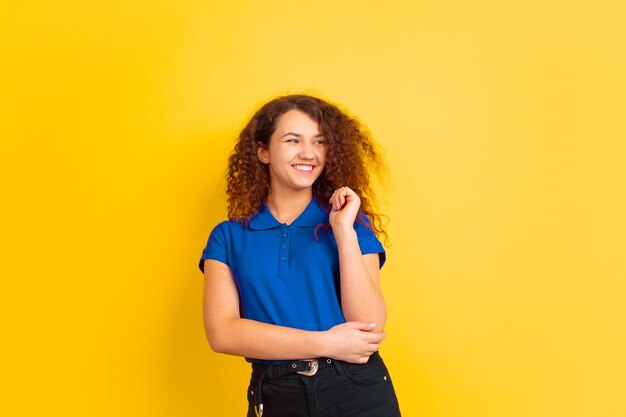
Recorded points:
(503, 123)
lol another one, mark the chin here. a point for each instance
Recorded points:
(303, 182)
(302, 185)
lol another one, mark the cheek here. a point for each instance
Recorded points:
(323, 156)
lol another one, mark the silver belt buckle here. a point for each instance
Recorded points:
(313, 366)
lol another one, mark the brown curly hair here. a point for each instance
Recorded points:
(351, 156)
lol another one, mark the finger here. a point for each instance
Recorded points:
(339, 191)
(377, 334)
(334, 201)
(342, 198)
(362, 325)
(338, 198)
(374, 344)
(376, 337)
(372, 351)
(364, 359)
(347, 191)
(346, 194)
(371, 348)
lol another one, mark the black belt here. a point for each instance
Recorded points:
(306, 367)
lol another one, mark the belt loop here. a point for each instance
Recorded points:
(338, 367)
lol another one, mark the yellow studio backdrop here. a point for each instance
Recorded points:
(502, 123)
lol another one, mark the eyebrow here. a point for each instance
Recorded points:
(319, 135)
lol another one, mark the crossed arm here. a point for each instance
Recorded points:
(362, 303)
(353, 341)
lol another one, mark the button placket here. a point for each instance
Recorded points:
(283, 257)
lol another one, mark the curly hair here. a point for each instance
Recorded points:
(351, 156)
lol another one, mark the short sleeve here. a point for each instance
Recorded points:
(368, 242)
(216, 247)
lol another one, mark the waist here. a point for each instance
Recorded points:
(307, 367)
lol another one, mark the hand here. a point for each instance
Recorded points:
(354, 341)
(345, 206)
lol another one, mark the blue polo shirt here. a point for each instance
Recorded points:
(284, 273)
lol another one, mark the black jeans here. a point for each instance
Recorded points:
(338, 389)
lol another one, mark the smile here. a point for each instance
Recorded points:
(303, 168)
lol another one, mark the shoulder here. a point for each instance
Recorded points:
(368, 242)
(228, 229)
(220, 240)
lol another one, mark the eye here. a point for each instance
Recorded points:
(319, 141)
(292, 140)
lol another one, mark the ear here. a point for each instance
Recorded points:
(263, 154)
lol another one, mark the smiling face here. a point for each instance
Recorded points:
(296, 153)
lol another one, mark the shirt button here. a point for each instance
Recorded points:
(284, 234)
(284, 246)
(283, 258)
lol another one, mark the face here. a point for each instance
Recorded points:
(296, 153)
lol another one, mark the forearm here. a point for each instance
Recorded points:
(253, 339)
(228, 333)
(361, 297)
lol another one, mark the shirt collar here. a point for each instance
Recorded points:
(312, 215)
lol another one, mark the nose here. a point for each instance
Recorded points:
(306, 150)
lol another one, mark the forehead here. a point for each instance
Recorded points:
(296, 121)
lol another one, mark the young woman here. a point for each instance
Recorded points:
(292, 279)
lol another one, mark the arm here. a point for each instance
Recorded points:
(228, 333)
(361, 296)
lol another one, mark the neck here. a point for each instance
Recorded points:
(286, 207)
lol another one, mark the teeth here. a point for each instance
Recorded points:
(303, 167)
